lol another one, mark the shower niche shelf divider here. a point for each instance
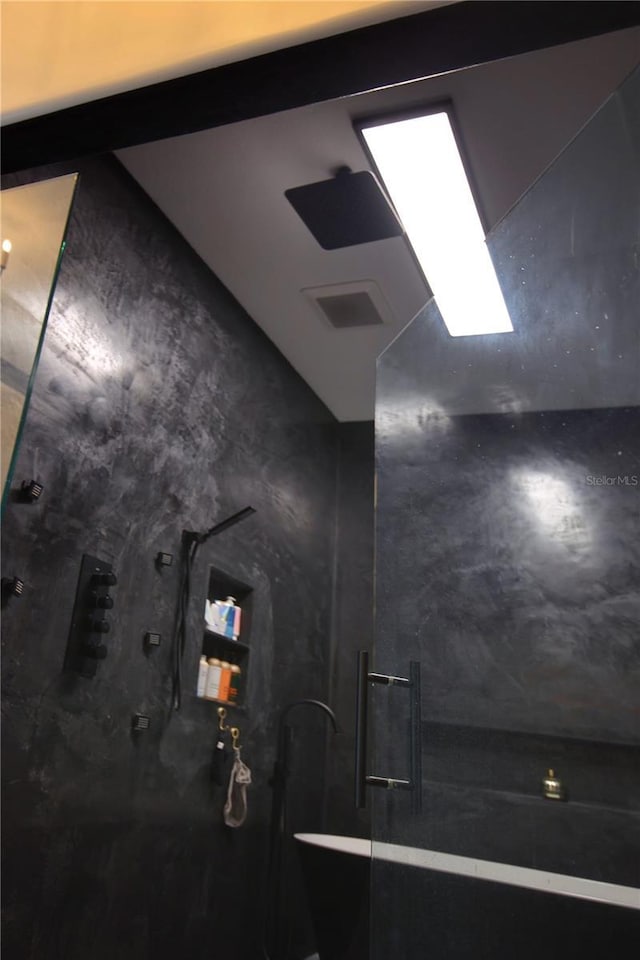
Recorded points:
(221, 585)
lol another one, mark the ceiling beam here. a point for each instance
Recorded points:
(414, 47)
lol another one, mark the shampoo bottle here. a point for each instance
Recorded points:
(203, 669)
(225, 618)
(212, 686)
(225, 677)
(234, 684)
(234, 617)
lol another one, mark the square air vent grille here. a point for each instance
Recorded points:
(345, 306)
(350, 310)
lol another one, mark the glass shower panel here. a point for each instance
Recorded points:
(508, 564)
(34, 221)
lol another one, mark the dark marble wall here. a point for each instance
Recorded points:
(353, 617)
(515, 581)
(515, 570)
(507, 562)
(158, 405)
(464, 917)
(513, 577)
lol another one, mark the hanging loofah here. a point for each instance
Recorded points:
(235, 809)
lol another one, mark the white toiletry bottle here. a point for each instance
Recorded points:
(234, 615)
(212, 686)
(226, 617)
(208, 616)
(203, 669)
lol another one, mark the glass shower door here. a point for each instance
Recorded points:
(508, 566)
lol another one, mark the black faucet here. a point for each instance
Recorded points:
(284, 733)
(272, 927)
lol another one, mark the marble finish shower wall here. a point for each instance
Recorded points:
(509, 567)
(158, 406)
(353, 618)
(508, 535)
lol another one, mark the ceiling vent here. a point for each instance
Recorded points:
(345, 306)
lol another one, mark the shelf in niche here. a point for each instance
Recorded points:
(213, 645)
(224, 703)
(220, 639)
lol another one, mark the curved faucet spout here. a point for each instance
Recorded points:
(310, 703)
(284, 732)
(278, 810)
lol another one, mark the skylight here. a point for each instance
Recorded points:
(419, 161)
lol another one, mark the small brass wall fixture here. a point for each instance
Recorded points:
(552, 788)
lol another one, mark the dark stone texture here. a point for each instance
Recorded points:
(158, 405)
(512, 573)
(353, 618)
(514, 579)
(515, 582)
(507, 562)
(338, 884)
(462, 917)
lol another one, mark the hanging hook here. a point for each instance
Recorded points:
(221, 724)
(235, 736)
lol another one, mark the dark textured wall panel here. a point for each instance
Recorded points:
(353, 617)
(462, 917)
(513, 576)
(158, 405)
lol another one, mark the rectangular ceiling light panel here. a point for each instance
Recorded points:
(419, 161)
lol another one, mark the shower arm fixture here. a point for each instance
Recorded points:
(191, 540)
(191, 536)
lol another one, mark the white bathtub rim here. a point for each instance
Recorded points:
(580, 887)
(356, 846)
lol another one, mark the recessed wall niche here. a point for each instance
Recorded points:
(223, 573)
(224, 648)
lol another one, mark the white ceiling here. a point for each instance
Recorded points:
(224, 191)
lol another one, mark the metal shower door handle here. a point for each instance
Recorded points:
(362, 780)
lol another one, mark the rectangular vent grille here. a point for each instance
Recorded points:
(349, 310)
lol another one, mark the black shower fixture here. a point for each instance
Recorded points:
(192, 537)
(349, 209)
(30, 491)
(11, 587)
(85, 647)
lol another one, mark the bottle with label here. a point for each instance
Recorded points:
(234, 684)
(212, 685)
(203, 669)
(225, 678)
(223, 617)
(552, 788)
(208, 614)
(234, 615)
